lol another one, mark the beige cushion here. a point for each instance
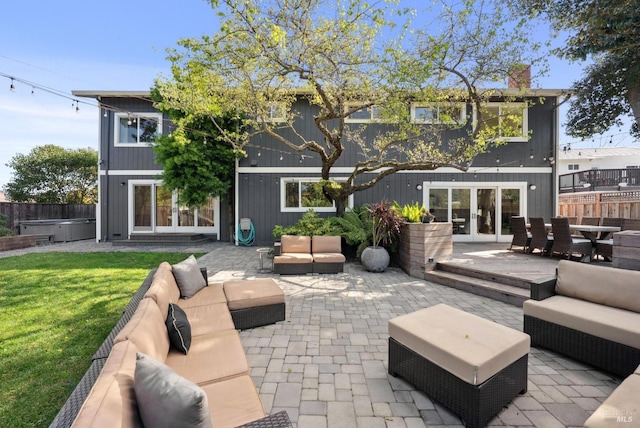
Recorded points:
(326, 244)
(621, 408)
(209, 295)
(211, 358)
(295, 244)
(472, 348)
(609, 323)
(328, 258)
(293, 258)
(251, 293)
(112, 402)
(233, 402)
(147, 330)
(619, 288)
(209, 319)
(163, 289)
(167, 400)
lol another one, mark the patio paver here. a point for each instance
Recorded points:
(327, 363)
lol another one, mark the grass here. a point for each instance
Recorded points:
(57, 309)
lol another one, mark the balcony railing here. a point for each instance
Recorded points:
(599, 180)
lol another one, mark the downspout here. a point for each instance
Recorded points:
(556, 152)
(237, 200)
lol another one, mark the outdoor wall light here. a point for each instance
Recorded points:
(532, 187)
(122, 183)
(418, 186)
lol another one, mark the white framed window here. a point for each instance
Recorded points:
(275, 112)
(303, 194)
(510, 119)
(364, 115)
(439, 113)
(574, 167)
(137, 129)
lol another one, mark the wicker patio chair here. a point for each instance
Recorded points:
(604, 247)
(564, 243)
(539, 237)
(630, 224)
(590, 221)
(521, 237)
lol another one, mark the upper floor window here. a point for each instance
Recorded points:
(448, 114)
(509, 119)
(364, 115)
(275, 112)
(574, 167)
(303, 194)
(132, 130)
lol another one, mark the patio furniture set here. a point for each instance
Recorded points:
(175, 357)
(590, 239)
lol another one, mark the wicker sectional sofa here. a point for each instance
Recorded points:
(591, 313)
(299, 255)
(211, 374)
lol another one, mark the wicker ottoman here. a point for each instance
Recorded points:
(471, 365)
(254, 302)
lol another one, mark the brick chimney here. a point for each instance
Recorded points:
(520, 77)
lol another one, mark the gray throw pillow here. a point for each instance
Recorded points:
(166, 399)
(188, 277)
(179, 328)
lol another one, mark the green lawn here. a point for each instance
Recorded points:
(56, 310)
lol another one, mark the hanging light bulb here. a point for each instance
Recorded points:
(105, 113)
(129, 121)
(259, 153)
(280, 157)
(33, 90)
(12, 88)
(77, 107)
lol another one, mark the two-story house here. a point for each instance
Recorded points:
(275, 186)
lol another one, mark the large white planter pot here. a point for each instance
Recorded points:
(375, 259)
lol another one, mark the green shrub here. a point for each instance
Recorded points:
(309, 225)
(355, 228)
(4, 231)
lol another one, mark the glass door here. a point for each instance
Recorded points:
(479, 212)
(155, 209)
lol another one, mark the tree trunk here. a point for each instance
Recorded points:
(633, 91)
(341, 205)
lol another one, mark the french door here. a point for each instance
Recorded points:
(154, 208)
(479, 212)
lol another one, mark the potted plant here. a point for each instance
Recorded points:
(385, 227)
(412, 213)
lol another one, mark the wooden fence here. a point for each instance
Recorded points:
(600, 204)
(18, 211)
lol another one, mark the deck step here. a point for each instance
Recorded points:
(511, 294)
(166, 239)
(471, 272)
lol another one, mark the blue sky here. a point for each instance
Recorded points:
(114, 45)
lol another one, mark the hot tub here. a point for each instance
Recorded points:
(61, 230)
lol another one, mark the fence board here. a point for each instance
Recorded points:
(600, 204)
(18, 211)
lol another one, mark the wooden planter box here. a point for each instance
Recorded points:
(16, 242)
(422, 245)
(626, 249)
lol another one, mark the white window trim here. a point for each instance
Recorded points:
(283, 196)
(525, 120)
(462, 118)
(116, 124)
(371, 119)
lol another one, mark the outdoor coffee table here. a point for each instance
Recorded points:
(471, 365)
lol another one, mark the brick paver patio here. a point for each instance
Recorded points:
(326, 365)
